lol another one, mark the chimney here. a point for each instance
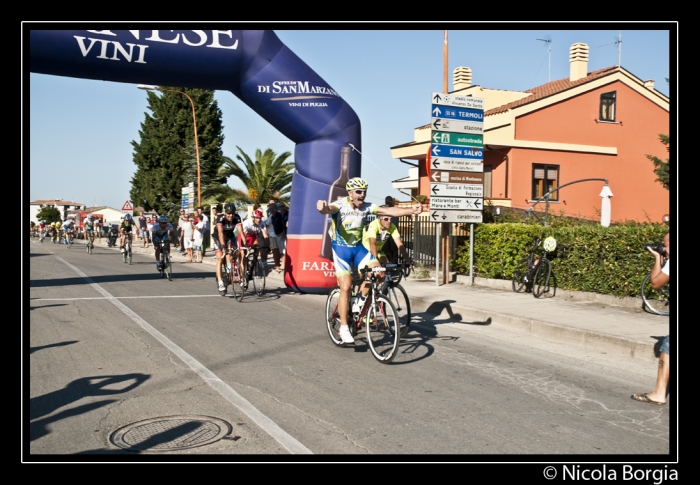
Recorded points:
(461, 78)
(649, 84)
(578, 59)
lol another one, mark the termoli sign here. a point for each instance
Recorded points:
(257, 68)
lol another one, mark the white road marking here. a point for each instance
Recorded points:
(282, 437)
(123, 297)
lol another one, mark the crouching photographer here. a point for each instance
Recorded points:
(659, 277)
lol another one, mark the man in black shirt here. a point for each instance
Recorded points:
(224, 238)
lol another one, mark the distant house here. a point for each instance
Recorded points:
(109, 215)
(63, 206)
(598, 124)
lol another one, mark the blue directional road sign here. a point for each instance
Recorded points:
(453, 151)
(453, 113)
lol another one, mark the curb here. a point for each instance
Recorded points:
(584, 339)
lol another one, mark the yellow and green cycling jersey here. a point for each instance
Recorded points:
(348, 222)
(376, 231)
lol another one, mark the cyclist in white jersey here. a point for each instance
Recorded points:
(89, 227)
(349, 217)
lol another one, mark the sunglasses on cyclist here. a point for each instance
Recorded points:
(386, 218)
(360, 192)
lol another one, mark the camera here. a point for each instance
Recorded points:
(658, 247)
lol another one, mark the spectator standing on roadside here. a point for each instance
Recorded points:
(205, 234)
(660, 275)
(182, 220)
(275, 223)
(282, 238)
(390, 249)
(143, 229)
(197, 240)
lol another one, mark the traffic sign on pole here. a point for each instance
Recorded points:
(460, 217)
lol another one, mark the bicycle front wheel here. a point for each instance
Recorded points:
(237, 280)
(259, 278)
(541, 280)
(398, 296)
(383, 332)
(520, 283)
(168, 267)
(128, 254)
(655, 301)
(333, 316)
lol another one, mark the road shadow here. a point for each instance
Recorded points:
(36, 307)
(84, 387)
(73, 281)
(57, 344)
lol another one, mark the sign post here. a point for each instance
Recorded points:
(456, 166)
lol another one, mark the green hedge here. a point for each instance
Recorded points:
(607, 260)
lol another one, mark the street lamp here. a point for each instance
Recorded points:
(148, 87)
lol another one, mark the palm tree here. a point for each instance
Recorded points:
(269, 176)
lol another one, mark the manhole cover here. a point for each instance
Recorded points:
(170, 433)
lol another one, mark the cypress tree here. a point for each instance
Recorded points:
(165, 156)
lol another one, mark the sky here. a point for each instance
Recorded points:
(80, 131)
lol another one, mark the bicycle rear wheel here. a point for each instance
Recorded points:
(383, 332)
(519, 282)
(541, 279)
(333, 317)
(655, 301)
(398, 296)
(259, 278)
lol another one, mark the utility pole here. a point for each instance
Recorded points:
(445, 229)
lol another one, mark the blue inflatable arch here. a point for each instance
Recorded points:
(260, 70)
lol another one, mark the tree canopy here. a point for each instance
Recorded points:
(268, 176)
(49, 213)
(165, 156)
(661, 166)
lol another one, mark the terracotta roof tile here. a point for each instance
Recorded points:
(549, 89)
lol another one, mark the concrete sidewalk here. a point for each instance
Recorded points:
(586, 320)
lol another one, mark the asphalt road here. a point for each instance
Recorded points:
(111, 345)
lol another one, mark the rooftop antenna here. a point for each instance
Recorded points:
(548, 40)
(618, 42)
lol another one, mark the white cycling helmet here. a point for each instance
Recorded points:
(550, 244)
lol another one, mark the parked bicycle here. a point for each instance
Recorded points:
(166, 266)
(655, 301)
(377, 314)
(534, 272)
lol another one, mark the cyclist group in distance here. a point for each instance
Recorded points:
(348, 223)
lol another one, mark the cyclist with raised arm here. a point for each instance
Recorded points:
(224, 238)
(249, 232)
(348, 219)
(377, 234)
(126, 228)
(89, 228)
(161, 230)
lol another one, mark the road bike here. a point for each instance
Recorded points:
(230, 274)
(42, 235)
(533, 273)
(89, 244)
(126, 255)
(655, 301)
(254, 273)
(392, 289)
(376, 313)
(166, 266)
(69, 239)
